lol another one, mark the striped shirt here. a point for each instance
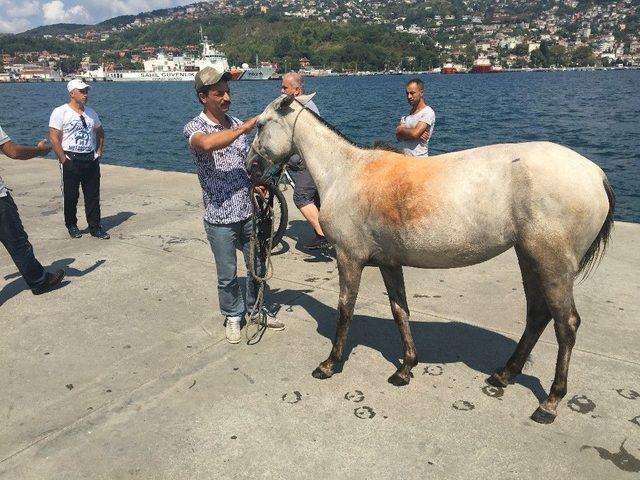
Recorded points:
(222, 173)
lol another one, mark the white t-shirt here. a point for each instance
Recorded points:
(4, 138)
(76, 137)
(419, 147)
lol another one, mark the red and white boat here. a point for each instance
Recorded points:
(448, 69)
(483, 65)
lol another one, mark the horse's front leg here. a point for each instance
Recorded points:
(350, 272)
(394, 281)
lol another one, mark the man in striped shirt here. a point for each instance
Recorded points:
(219, 147)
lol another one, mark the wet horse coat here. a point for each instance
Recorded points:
(382, 208)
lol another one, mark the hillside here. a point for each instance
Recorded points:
(57, 29)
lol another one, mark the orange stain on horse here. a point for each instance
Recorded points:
(398, 189)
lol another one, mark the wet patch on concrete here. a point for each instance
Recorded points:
(463, 405)
(581, 404)
(292, 397)
(621, 459)
(493, 392)
(628, 394)
(47, 213)
(433, 370)
(69, 386)
(364, 413)
(356, 396)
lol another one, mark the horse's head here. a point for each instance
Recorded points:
(273, 143)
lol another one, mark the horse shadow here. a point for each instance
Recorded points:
(18, 284)
(438, 343)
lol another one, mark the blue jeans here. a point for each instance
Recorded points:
(224, 240)
(16, 241)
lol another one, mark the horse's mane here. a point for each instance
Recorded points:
(377, 145)
(332, 128)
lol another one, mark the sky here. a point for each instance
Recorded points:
(20, 15)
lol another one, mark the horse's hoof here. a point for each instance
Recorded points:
(398, 380)
(496, 381)
(542, 416)
(321, 374)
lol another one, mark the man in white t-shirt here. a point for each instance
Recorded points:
(12, 234)
(415, 129)
(77, 138)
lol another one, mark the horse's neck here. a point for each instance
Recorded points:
(326, 154)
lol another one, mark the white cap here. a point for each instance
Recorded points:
(76, 83)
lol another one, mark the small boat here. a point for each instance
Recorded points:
(483, 65)
(262, 71)
(448, 69)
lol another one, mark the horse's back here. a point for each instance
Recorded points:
(468, 206)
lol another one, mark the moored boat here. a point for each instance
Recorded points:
(262, 71)
(164, 68)
(483, 65)
(448, 69)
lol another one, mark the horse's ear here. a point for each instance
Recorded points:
(283, 102)
(304, 99)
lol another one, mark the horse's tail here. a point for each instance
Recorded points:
(594, 254)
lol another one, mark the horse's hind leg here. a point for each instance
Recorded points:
(559, 295)
(538, 317)
(349, 272)
(394, 281)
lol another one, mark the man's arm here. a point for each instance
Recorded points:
(99, 141)
(24, 152)
(405, 133)
(55, 137)
(209, 142)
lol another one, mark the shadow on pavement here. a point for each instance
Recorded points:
(113, 221)
(436, 342)
(299, 229)
(18, 285)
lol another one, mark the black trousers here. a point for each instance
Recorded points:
(77, 172)
(16, 241)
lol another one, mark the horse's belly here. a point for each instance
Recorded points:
(445, 245)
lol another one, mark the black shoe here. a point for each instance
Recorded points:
(51, 282)
(319, 242)
(74, 231)
(100, 233)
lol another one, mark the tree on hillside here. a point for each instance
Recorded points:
(69, 65)
(583, 56)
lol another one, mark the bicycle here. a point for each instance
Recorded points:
(273, 210)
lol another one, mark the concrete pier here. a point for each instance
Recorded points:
(125, 371)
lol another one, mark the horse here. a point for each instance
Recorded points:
(381, 208)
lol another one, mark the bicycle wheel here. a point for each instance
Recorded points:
(280, 214)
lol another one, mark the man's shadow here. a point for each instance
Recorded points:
(436, 342)
(18, 285)
(113, 221)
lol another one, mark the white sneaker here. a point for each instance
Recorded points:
(233, 329)
(267, 318)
